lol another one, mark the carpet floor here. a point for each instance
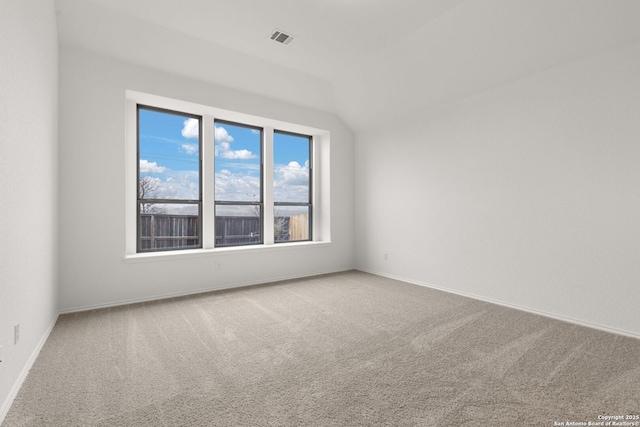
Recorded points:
(345, 349)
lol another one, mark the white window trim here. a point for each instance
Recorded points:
(321, 179)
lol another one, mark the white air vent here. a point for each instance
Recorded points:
(281, 37)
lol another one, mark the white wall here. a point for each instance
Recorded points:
(92, 189)
(527, 194)
(28, 183)
(117, 35)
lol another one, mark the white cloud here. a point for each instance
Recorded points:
(237, 154)
(223, 147)
(222, 135)
(151, 167)
(190, 148)
(291, 182)
(191, 128)
(236, 186)
(171, 184)
(183, 185)
(293, 173)
(178, 185)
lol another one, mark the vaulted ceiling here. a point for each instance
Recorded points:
(364, 60)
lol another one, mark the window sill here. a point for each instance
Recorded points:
(196, 253)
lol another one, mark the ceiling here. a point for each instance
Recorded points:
(364, 60)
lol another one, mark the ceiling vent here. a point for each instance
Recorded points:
(281, 37)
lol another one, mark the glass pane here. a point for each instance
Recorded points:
(237, 163)
(238, 225)
(291, 223)
(169, 226)
(169, 155)
(290, 168)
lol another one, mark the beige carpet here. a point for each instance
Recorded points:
(335, 350)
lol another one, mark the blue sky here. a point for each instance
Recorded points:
(291, 168)
(169, 155)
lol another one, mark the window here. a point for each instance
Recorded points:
(169, 197)
(202, 178)
(292, 186)
(238, 184)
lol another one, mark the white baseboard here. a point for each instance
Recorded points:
(6, 405)
(198, 291)
(509, 305)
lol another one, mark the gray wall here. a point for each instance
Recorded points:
(28, 183)
(526, 194)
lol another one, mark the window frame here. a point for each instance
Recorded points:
(139, 201)
(260, 203)
(309, 203)
(321, 155)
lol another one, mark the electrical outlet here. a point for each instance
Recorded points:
(218, 265)
(16, 333)
(385, 256)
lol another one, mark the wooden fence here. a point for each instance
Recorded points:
(298, 227)
(237, 230)
(164, 231)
